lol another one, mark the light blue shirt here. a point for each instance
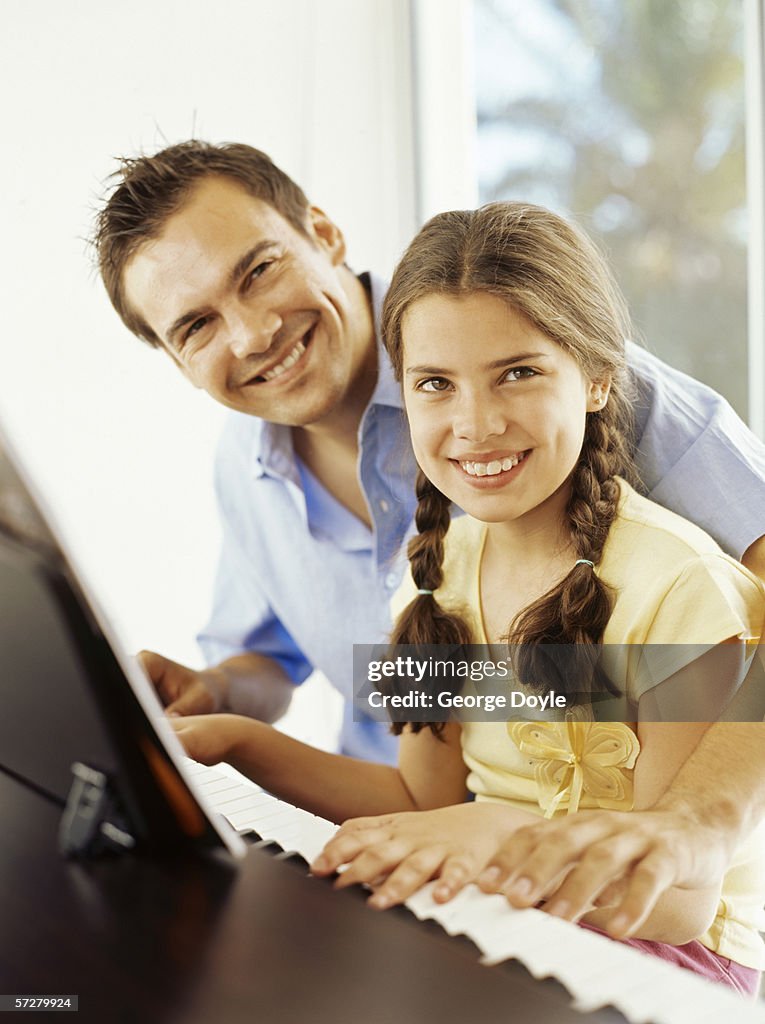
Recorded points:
(695, 455)
(301, 579)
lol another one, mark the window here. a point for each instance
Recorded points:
(630, 116)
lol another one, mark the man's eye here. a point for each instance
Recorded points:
(258, 271)
(196, 326)
(520, 372)
(432, 384)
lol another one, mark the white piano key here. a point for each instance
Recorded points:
(315, 835)
(232, 801)
(212, 787)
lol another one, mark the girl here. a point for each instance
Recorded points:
(506, 332)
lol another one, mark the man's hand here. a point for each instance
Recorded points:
(182, 690)
(408, 849)
(612, 859)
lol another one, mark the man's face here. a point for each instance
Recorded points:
(252, 311)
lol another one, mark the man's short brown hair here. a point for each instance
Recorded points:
(150, 189)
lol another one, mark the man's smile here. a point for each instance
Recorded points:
(290, 356)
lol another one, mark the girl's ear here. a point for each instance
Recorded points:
(597, 394)
(326, 234)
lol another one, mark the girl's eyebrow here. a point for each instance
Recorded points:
(496, 364)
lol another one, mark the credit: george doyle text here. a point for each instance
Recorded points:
(618, 683)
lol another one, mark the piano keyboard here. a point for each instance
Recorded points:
(596, 971)
(248, 807)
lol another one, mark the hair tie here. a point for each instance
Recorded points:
(421, 591)
(584, 561)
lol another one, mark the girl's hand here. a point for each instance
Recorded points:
(452, 844)
(211, 739)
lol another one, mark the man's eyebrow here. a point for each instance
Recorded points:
(251, 255)
(236, 272)
(496, 364)
(186, 318)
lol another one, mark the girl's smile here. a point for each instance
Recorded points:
(492, 469)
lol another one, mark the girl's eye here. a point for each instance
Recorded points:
(434, 384)
(520, 373)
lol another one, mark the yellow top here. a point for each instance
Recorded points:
(674, 590)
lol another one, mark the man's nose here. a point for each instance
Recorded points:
(478, 417)
(251, 333)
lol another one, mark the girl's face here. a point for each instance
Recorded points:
(496, 408)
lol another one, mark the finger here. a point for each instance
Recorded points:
(601, 865)
(373, 862)
(149, 658)
(159, 670)
(533, 867)
(612, 895)
(508, 859)
(456, 871)
(187, 737)
(379, 821)
(526, 884)
(650, 878)
(187, 703)
(342, 849)
(410, 875)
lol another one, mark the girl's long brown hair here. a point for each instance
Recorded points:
(549, 271)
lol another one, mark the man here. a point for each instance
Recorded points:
(245, 287)
(215, 256)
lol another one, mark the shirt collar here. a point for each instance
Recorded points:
(272, 448)
(387, 390)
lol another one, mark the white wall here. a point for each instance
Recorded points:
(445, 106)
(119, 443)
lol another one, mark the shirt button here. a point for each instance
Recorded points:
(391, 580)
(384, 506)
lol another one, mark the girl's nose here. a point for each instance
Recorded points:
(478, 418)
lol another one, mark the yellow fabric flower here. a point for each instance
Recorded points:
(579, 757)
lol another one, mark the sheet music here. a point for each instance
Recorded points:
(596, 971)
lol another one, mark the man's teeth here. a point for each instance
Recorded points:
(286, 363)
(494, 467)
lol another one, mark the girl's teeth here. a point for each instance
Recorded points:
(491, 468)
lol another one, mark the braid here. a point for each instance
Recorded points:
(426, 550)
(424, 621)
(594, 494)
(577, 610)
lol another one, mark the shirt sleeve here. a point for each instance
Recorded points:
(711, 600)
(242, 618)
(695, 456)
